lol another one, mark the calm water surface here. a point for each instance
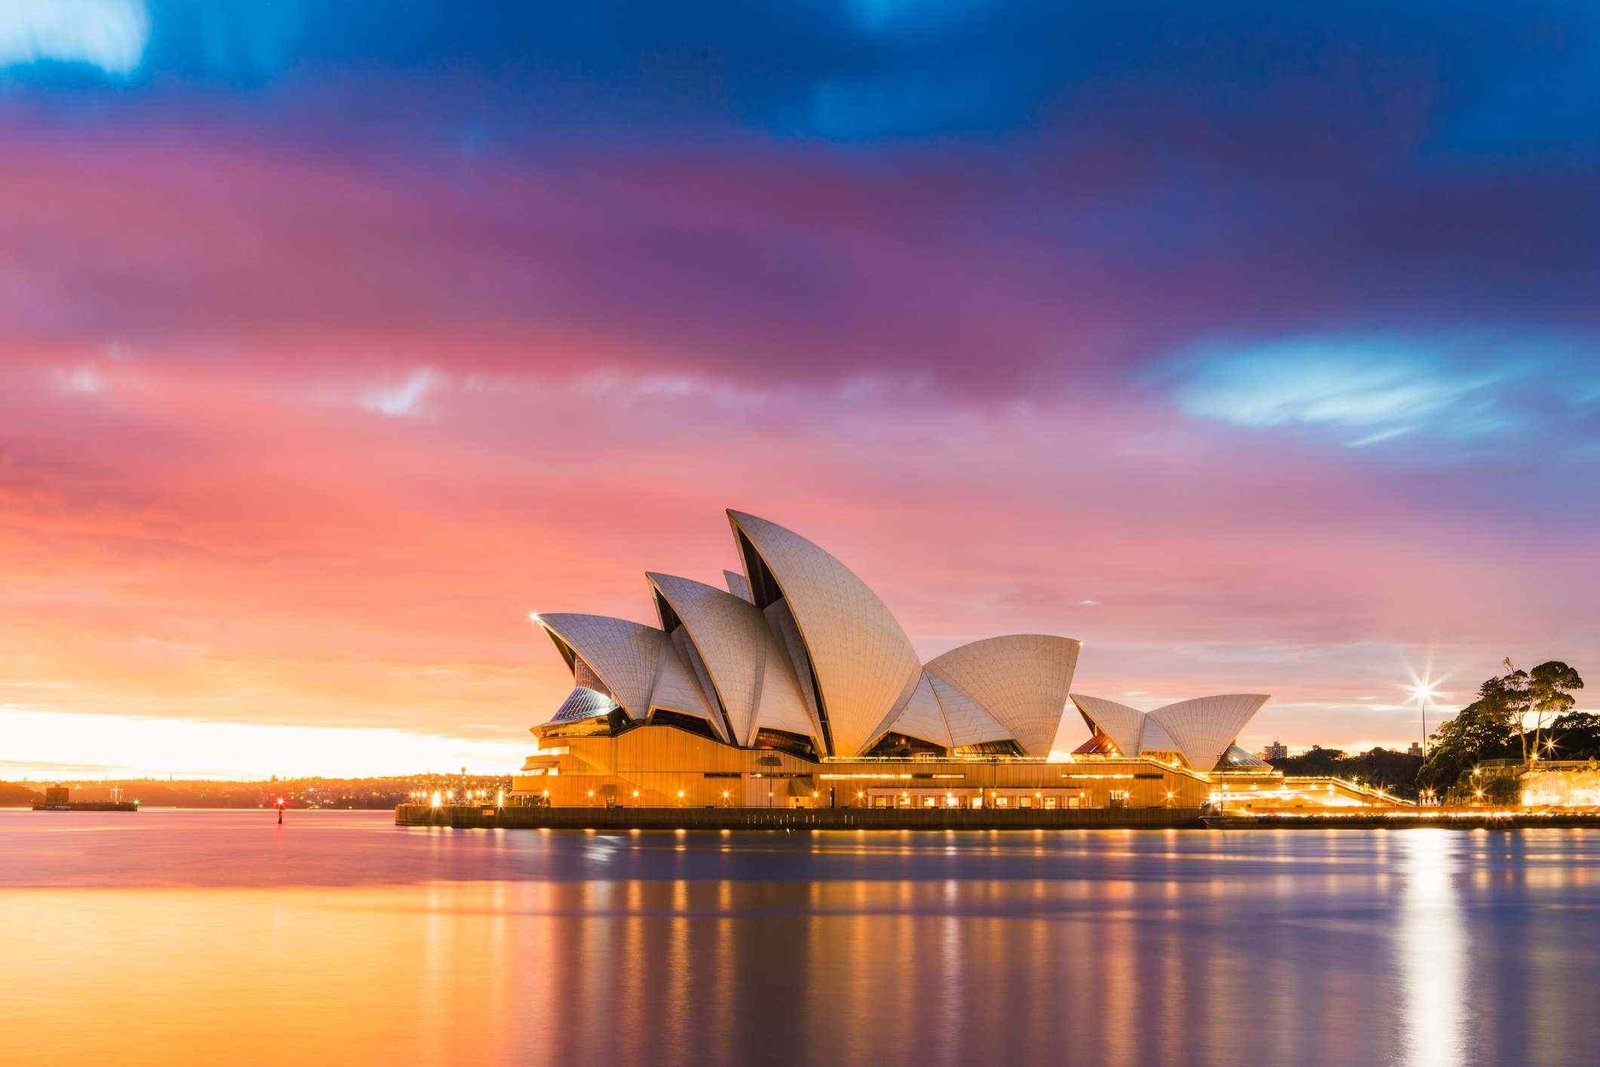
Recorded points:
(219, 937)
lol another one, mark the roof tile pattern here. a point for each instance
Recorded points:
(691, 656)
(864, 662)
(1155, 737)
(1206, 726)
(742, 657)
(738, 585)
(1122, 724)
(922, 717)
(583, 674)
(1200, 730)
(780, 620)
(636, 664)
(1021, 680)
(582, 703)
(1237, 758)
(625, 655)
(677, 689)
(969, 723)
(818, 655)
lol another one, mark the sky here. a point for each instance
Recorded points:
(1253, 344)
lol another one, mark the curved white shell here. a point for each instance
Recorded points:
(1021, 680)
(1200, 730)
(864, 664)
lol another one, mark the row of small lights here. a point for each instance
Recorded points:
(950, 798)
(439, 798)
(1412, 813)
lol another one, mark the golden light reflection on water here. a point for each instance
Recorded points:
(1432, 949)
(1346, 946)
(254, 976)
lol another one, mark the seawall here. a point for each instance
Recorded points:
(1409, 818)
(538, 818)
(475, 816)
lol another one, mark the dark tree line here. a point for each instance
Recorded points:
(1519, 716)
(1390, 770)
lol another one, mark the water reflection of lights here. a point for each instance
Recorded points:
(1430, 949)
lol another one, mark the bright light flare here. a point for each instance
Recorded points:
(1423, 690)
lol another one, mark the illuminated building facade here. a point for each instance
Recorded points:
(793, 685)
(1559, 784)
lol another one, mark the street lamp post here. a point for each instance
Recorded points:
(1422, 691)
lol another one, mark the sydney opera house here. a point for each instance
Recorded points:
(795, 686)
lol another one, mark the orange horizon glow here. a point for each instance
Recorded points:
(298, 499)
(122, 747)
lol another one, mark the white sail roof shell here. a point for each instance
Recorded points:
(1199, 730)
(742, 656)
(1155, 737)
(1237, 758)
(637, 664)
(583, 675)
(1021, 680)
(677, 689)
(1122, 724)
(582, 703)
(624, 655)
(969, 723)
(863, 661)
(738, 585)
(1206, 726)
(922, 717)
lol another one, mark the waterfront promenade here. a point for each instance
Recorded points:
(623, 818)
(600, 818)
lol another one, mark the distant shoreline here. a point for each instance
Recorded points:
(18, 806)
(343, 794)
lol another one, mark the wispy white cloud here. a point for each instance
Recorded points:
(402, 399)
(1364, 391)
(662, 388)
(108, 34)
(85, 379)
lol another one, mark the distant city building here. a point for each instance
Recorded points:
(1275, 751)
(794, 686)
(1414, 750)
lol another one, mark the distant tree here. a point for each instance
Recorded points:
(1576, 735)
(1386, 768)
(1550, 687)
(1393, 771)
(1492, 727)
(1314, 761)
(15, 794)
(1512, 688)
(1485, 729)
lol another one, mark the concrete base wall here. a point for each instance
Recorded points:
(663, 767)
(518, 817)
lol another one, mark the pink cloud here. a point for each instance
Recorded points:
(225, 542)
(293, 438)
